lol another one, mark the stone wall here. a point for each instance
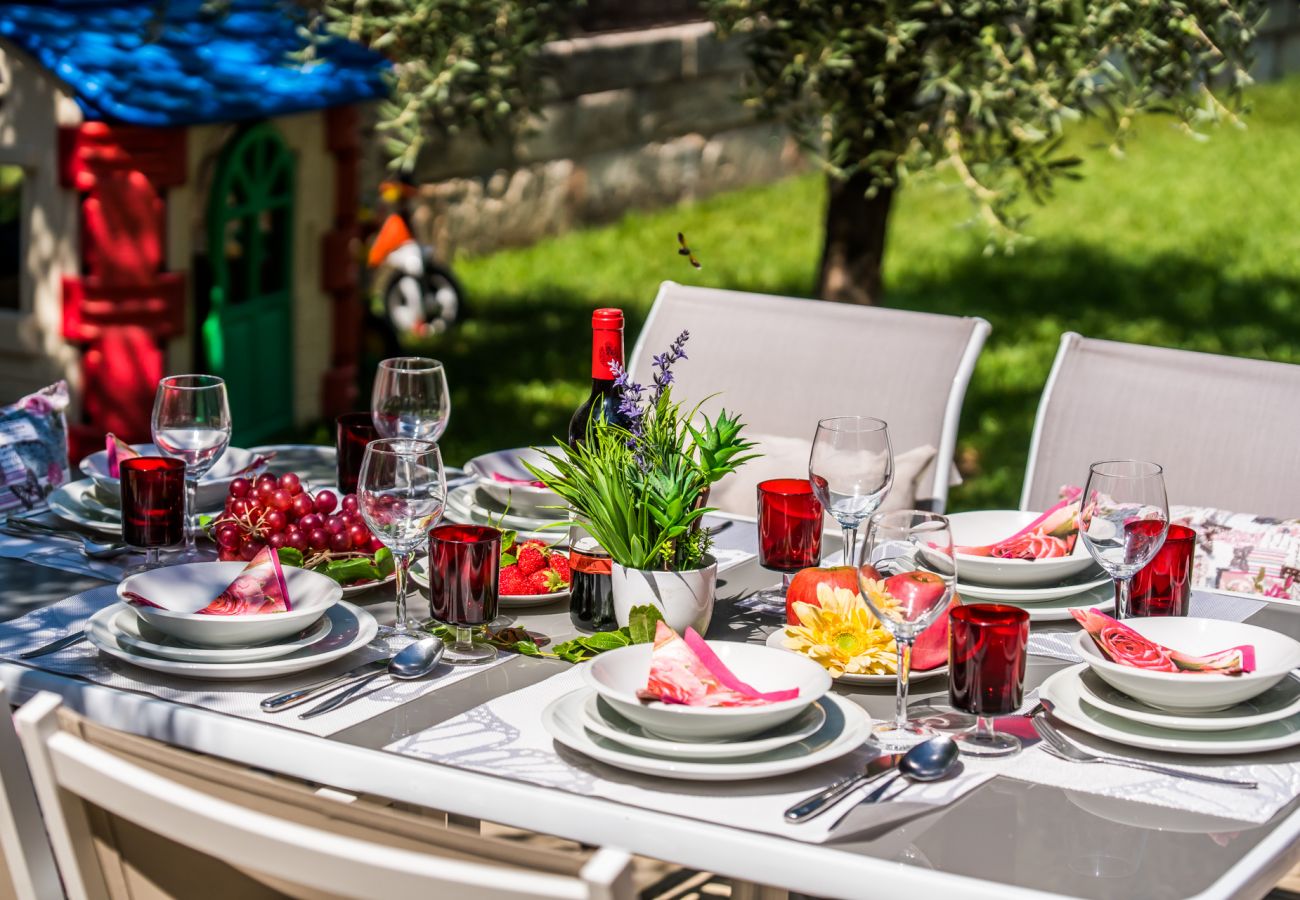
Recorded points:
(637, 119)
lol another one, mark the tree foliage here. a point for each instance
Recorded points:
(986, 87)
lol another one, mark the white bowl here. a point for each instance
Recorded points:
(619, 674)
(521, 499)
(1275, 656)
(978, 529)
(212, 486)
(188, 588)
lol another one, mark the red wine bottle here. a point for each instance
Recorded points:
(591, 600)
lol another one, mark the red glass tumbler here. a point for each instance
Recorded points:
(464, 562)
(789, 526)
(153, 505)
(1163, 587)
(987, 657)
(355, 431)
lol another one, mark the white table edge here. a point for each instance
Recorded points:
(752, 856)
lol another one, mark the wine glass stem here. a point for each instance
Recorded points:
(151, 558)
(786, 578)
(850, 545)
(403, 572)
(1122, 604)
(984, 730)
(904, 669)
(464, 637)
(191, 500)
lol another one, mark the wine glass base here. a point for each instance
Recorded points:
(184, 555)
(975, 743)
(400, 634)
(469, 654)
(145, 566)
(889, 737)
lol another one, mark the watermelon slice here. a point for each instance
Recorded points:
(687, 672)
(117, 450)
(260, 588)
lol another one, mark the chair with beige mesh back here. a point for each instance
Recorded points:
(1223, 428)
(132, 818)
(784, 363)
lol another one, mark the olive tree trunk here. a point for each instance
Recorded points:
(854, 246)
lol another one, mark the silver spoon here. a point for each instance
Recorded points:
(92, 548)
(411, 662)
(928, 761)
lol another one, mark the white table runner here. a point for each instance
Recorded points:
(236, 698)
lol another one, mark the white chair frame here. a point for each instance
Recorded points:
(67, 770)
(26, 847)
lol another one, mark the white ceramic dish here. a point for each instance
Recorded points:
(187, 588)
(504, 601)
(601, 718)
(1275, 656)
(351, 628)
(776, 640)
(975, 529)
(76, 502)
(132, 632)
(1278, 702)
(461, 508)
(618, 674)
(847, 726)
(1063, 691)
(351, 590)
(523, 499)
(1101, 597)
(212, 486)
(1079, 583)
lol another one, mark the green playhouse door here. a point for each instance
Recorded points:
(248, 334)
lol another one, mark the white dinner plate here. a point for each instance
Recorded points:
(1278, 702)
(351, 590)
(504, 601)
(138, 635)
(76, 502)
(602, 719)
(846, 728)
(461, 507)
(776, 639)
(1089, 580)
(1101, 597)
(350, 629)
(316, 464)
(1064, 691)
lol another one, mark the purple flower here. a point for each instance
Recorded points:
(663, 364)
(629, 399)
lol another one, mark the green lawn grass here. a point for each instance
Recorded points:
(1182, 243)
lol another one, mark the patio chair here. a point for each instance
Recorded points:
(129, 817)
(784, 363)
(1224, 428)
(27, 869)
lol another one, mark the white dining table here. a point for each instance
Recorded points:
(1006, 838)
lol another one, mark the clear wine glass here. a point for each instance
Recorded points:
(401, 493)
(851, 468)
(191, 422)
(1123, 520)
(410, 398)
(907, 574)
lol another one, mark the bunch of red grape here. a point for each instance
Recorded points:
(278, 512)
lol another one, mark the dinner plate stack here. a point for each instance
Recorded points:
(1045, 588)
(504, 494)
(607, 721)
(1203, 713)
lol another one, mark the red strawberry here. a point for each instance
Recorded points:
(513, 582)
(545, 581)
(560, 565)
(530, 557)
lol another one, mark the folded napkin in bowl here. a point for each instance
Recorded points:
(117, 450)
(259, 462)
(506, 479)
(259, 588)
(684, 671)
(1124, 646)
(1050, 536)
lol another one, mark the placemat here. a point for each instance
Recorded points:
(236, 698)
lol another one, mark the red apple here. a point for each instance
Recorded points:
(803, 587)
(931, 648)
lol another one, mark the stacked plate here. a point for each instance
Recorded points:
(178, 641)
(1046, 588)
(607, 722)
(503, 494)
(1185, 712)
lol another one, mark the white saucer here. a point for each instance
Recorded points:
(846, 728)
(602, 719)
(350, 629)
(776, 639)
(504, 601)
(351, 590)
(1278, 702)
(1089, 580)
(463, 506)
(1101, 597)
(1064, 691)
(132, 632)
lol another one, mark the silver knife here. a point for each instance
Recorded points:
(818, 803)
(55, 646)
(344, 696)
(303, 694)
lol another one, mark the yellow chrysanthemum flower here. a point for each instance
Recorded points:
(842, 634)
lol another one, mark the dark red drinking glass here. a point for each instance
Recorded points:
(464, 562)
(1163, 587)
(355, 431)
(789, 526)
(986, 653)
(153, 504)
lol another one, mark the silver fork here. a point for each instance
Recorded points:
(1057, 745)
(92, 548)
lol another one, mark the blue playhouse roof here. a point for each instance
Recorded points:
(146, 63)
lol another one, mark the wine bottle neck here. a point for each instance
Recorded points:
(606, 348)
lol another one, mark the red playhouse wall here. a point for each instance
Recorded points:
(339, 266)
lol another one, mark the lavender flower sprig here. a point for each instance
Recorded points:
(663, 364)
(629, 399)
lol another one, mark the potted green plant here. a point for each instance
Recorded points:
(642, 490)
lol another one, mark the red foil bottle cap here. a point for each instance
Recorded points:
(606, 342)
(607, 318)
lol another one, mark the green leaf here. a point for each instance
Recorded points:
(346, 571)
(605, 640)
(384, 561)
(642, 622)
(290, 556)
(507, 560)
